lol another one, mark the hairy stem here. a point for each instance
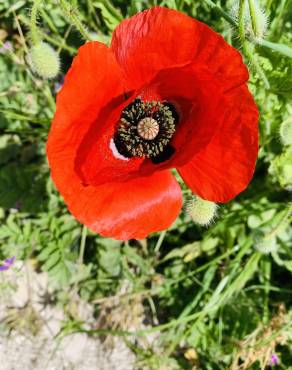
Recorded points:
(253, 16)
(72, 13)
(34, 33)
(280, 48)
(246, 47)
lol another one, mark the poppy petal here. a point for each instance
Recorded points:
(92, 92)
(132, 209)
(225, 167)
(97, 159)
(160, 38)
(124, 210)
(93, 80)
(197, 97)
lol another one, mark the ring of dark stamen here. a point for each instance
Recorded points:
(165, 155)
(127, 139)
(173, 111)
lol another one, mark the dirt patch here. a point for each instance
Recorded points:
(28, 332)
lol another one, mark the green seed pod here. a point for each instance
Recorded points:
(201, 211)
(286, 132)
(45, 61)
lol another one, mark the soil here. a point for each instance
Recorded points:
(28, 331)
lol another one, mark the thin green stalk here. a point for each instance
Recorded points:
(246, 48)
(179, 332)
(241, 30)
(34, 33)
(56, 40)
(24, 117)
(60, 44)
(67, 33)
(157, 291)
(72, 14)
(81, 256)
(280, 48)
(266, 267)
(82, 245)
(160, 241)
(50, 98)
(49, 21)
(253, 16)
(220, 296)
(271, 288)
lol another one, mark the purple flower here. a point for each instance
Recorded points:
(274, 360)
(7, 263)
(7, 46)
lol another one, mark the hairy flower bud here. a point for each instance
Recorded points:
(45, 60)
(201, 211)
(286, 132)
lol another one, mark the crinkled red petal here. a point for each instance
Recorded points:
(159, 53)
(92, 93)
(122, 210)
(161, 38)
(197, 97)
(127, 210)
(225, 167)
(97, 159)
(94, 88)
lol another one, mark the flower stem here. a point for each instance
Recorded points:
(280, 48)
(160, 241)
(80, 259)
(71, 13)
(82, 245)
(34, 33)
(246, 48)
(253, 16)
(241, 20)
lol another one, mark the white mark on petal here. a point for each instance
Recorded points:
(116, 152)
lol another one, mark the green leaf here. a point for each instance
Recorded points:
(280, 48)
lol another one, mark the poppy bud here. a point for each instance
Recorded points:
(286, 132)
(201, 211)
(255, 18)
(45, 60)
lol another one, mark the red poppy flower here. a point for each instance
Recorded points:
(168, 93)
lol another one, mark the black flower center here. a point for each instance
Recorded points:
(145, 129)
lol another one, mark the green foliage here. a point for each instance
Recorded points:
(208, 294)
